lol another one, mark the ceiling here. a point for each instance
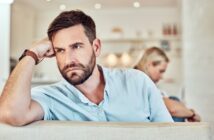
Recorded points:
(89, 4)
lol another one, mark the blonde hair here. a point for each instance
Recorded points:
(154, 55)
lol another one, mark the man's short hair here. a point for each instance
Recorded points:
(71, 18)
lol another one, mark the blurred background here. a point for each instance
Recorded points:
(184, 29)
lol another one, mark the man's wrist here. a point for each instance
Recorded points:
(31, 54)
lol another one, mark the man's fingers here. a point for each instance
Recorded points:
(50, 53)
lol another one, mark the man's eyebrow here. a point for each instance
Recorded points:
(71, 45)
(76, 43)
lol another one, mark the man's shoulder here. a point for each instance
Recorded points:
(124, 72)
(127, 74)
(51, 87)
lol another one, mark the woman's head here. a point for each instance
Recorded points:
(153, 63)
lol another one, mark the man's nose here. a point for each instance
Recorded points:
(69, 57)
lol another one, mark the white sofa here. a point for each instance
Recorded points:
(68, 130)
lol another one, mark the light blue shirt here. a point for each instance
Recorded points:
(129, 96)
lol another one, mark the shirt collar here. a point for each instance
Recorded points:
(105, 72)
(79, 94)
(76, 92)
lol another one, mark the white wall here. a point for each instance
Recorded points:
(22, 28)
(198, 34)
(130, 20)
(4, 41)
(134, 20)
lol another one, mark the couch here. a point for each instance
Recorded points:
(68, 130)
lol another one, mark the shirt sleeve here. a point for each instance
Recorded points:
(38, 95)
(158, 110)
(163, 93)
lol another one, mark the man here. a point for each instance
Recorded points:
(88, 92)
(154, 63)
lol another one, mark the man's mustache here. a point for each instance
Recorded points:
(72, 65)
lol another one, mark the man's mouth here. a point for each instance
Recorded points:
(72, 69)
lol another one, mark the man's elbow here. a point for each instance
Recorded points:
(11, 118)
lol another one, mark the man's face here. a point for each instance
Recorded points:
(76, 57)
(156, 72)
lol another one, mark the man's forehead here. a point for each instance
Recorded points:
(71, 35)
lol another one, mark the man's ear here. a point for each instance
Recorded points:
(96, 47)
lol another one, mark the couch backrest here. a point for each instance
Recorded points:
(68, 130)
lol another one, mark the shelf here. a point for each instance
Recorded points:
(140, 40)
(122, 40)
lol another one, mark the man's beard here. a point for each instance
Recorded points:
(75, 78)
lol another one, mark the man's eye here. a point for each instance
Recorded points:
(77, 46)
(59, 51)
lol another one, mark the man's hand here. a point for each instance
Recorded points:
(42, 49)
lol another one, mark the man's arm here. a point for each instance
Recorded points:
(16, 105)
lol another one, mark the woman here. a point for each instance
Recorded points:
(154, 63)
